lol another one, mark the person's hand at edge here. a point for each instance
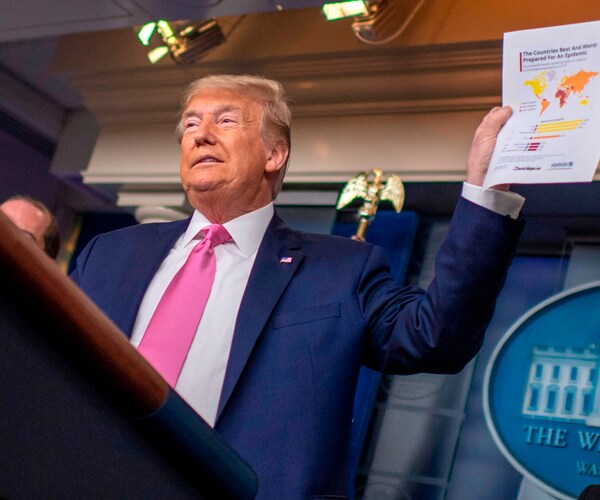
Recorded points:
(483, 144)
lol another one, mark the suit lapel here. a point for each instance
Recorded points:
(276, 262)
(152, 248)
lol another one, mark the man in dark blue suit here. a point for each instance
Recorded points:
(292, 317)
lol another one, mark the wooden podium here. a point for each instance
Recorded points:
(82, 414)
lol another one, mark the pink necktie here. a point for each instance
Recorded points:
(171, 330)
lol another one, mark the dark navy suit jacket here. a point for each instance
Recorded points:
(307, 324)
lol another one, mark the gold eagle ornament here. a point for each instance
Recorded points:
(371, 187)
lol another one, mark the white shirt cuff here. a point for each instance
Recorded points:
(501, 202)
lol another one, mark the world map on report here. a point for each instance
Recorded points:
(549, 87)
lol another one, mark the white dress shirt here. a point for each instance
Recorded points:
(502, 202)
(203, 372)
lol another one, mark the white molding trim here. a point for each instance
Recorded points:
(402, 80)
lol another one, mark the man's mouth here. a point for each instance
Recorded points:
(207, 159)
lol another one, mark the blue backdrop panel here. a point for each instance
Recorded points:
(530, 280)
(395, 233)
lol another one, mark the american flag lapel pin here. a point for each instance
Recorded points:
(285, 260)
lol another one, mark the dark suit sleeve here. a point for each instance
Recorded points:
(439, 330)
(76, 274)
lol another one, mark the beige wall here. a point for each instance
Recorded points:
(418, 147)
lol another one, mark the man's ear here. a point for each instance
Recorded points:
(276, 157)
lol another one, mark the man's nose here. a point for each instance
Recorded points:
(204, 133)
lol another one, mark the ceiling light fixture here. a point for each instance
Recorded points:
(350, 8)
(193, 41)
(145, 33)
(185, 42)
(378, 21)
(157, 53)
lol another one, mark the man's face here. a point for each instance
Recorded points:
(29, 219)
(223, 157)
